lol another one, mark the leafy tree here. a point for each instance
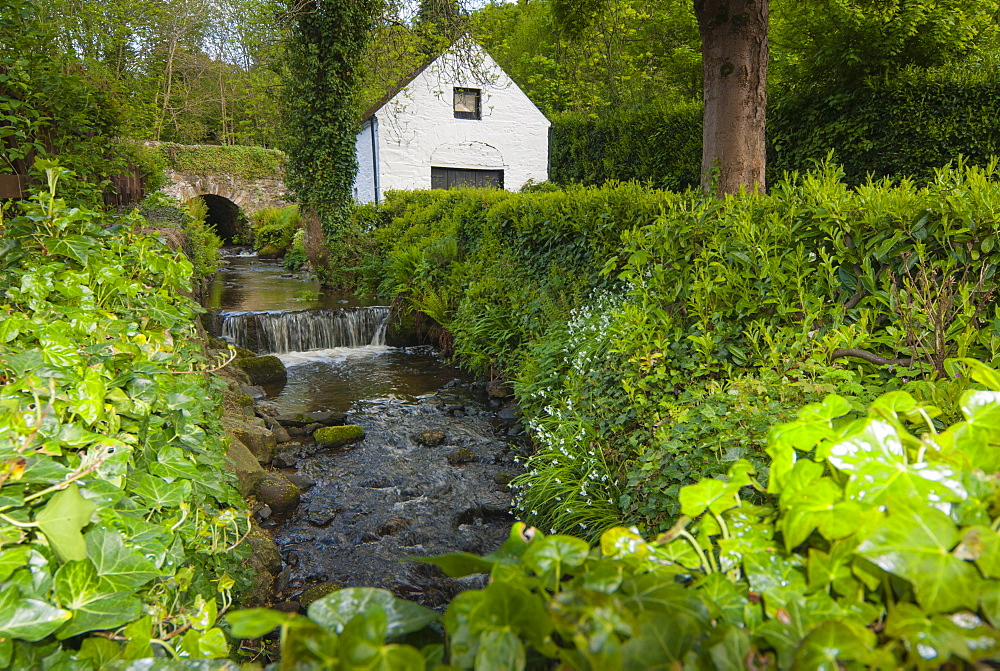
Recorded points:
(324, 50)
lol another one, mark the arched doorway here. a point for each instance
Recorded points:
(227, 219)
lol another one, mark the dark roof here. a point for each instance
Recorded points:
(399, 86)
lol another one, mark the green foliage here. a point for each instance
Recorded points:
(324, 53)
(203, 244)
(654, 337)
(870, 548)
(903, 125)
(656, 144)
(116, 505)
(295, 257)
(49, 107)
(354, 628)
(249, 163)
(276, 226)
(873, 544)
(838, 42)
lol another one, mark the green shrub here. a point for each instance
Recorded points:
(203, 244)
(657, 144)
(296, 257)
(117, 508)
(276, 226)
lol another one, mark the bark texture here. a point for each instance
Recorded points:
(734, 61)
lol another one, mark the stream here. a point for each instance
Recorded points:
(396, 494)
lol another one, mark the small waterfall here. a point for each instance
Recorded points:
(303, 330)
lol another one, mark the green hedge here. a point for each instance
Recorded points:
(906, 125)
(901, 126)
(659, 145)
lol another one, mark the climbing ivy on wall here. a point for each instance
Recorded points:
(249, 163)
(324, 53)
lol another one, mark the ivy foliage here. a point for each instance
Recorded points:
(117, 511)
(248, 163)
(324, 49)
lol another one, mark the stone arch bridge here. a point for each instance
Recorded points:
(235, 182)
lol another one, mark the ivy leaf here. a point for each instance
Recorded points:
(121, 568)
(335, 610)
(157, 493)
(981, 545)
(832, 643)
(662, 641)
(891, 404)
(553, 554)
(75, 247)
(982, 412)
(937, 638)
(61, 520)
(77, 587)
(876, 440)
(915, 544)
(28, 619)
(12, 559)
(256, 622)
(500, 649)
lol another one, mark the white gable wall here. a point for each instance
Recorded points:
(417, 128)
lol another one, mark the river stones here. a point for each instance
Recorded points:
(430, 438)
(254, 435)
(264, 369)
(497, 389)
(248, 470)
(317, 592)
(462, 455)
(393, 526)
(278, 493)
(321, 417)
(337, 436)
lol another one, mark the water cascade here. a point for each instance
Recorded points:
(278, 332)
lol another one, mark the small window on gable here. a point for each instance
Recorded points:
(467, 104)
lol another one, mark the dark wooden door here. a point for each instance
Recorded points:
(453, 178)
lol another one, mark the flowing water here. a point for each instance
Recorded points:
(387, 498)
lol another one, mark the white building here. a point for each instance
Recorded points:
(458, 121)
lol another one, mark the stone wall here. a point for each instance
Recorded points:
(250, 196)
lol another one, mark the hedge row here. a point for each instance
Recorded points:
(901, 126)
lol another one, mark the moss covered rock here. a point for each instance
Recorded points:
(248, 470)
(336, 436)
(257, 438)
(317, 592)
(462, 455)
(430, 438)
(270, 252)
(278, 493)
(263, 369)
(264, 563)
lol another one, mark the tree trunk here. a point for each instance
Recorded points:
(734, 62)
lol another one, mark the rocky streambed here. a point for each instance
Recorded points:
(424, 472)
(421, 475)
